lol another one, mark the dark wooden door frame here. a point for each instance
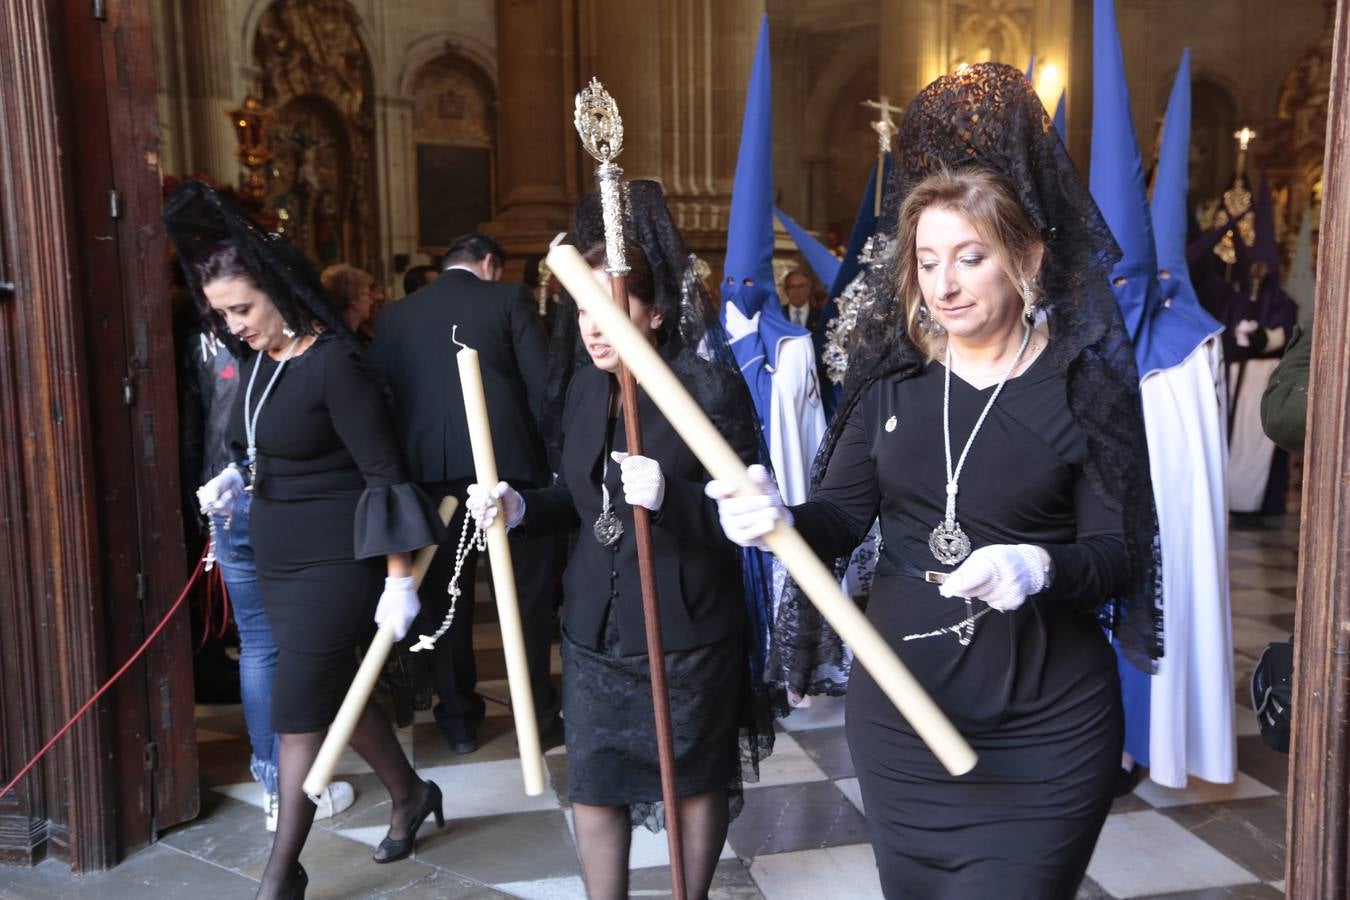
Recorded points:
(90, 535)
(1318, 828)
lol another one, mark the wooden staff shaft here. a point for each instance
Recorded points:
(503, 578)
(698, 433)
(344, 723)
(651, 617)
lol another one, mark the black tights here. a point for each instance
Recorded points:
(605, 832)
(377, 744)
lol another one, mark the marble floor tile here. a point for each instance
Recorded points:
(1091, 890)
(227, 833)
(1264, 555)
(486, 789)
(496, 741)
(502, 849)
(1267, 766)
(569, 888)
(1130, 803)
(1250, 831)
(1238, 892)
(1197, 791)
(828, 749)
(731, 881)
(852, 790)
(156, 873)
(647, 850)
(796, 817)
(789, 764)
(824, 712)
(815, 874)
(1257, 577)
(1145, 853)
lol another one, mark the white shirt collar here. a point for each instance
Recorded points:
(464, 268)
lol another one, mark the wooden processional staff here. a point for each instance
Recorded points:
(601, 131)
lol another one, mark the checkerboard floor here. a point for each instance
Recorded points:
(802, 834)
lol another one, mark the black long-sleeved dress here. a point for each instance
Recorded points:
(611, 747)
(330, 501)
(1035, 692)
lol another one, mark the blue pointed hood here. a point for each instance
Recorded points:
(750, 225)
(1031, 70)
(1059, 118)
(1183, 325)
(1117, 184)
(824, 263)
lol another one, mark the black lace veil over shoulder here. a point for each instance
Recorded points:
(988, 116)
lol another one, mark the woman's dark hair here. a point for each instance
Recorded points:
(639, 282)
(223, 261)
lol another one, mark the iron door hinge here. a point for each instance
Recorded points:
(7, 288)
(100, 10)
(142, 587)
(151, 756)
(128, 392)
(115, 204)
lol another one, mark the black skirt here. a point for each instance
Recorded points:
(611, 731)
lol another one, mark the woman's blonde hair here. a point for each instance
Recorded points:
(988, 202)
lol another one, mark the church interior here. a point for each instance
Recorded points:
(375, 132)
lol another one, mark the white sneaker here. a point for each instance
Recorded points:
(335, 798)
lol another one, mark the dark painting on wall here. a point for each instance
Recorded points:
(454, 192)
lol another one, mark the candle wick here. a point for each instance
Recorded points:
(454, 338)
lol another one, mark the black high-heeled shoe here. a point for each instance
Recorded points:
(296, 885)
(395, 849)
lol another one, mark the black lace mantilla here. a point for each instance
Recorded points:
(988, 116)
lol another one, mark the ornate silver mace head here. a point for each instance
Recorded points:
(598, 123)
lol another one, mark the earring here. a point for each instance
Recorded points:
(928, 324)
(288, 332)
(1028, 300)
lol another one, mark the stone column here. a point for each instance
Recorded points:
(533, 121)
(913, 47)
(209, 87)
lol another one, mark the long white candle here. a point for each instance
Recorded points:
(699, 435)
(503, 577)
(344, 723)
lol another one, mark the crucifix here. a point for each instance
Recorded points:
(885, 129)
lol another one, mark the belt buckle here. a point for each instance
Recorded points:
(934, 577)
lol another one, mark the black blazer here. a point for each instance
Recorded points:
(414, 351)
(698, 571)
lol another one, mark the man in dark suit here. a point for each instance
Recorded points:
(799, 309)
(414, 350)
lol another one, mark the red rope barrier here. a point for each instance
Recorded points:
(187, 588)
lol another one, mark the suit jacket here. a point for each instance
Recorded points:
(812, 316)
(698, 571)
(414, 351)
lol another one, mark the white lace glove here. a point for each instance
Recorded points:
(643, 483)
(745, 520)
(1002, 575)
(738, 326)
(219, 495)
(483, 504)
(1242, 332)
(398, 605)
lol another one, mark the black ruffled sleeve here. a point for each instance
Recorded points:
(393, 515)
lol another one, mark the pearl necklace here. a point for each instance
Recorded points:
(251, 420)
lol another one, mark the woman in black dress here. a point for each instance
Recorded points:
(613, 776)
(996, 432)
(334, 518)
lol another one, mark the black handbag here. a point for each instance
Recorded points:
(1273, 693)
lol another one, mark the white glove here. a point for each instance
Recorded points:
(746, 520)
(1002, 575)
(219, 495)
(738, 326)
(643, 483)
(483, 504)
(1242, 332)
(398, 605)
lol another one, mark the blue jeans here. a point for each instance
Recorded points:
(257, 651)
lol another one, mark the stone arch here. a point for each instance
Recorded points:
(1214, 118)
(454, 137)
(421, 51)
(253, 16)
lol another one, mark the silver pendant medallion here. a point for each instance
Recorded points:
(607, 528)
(948, 543)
